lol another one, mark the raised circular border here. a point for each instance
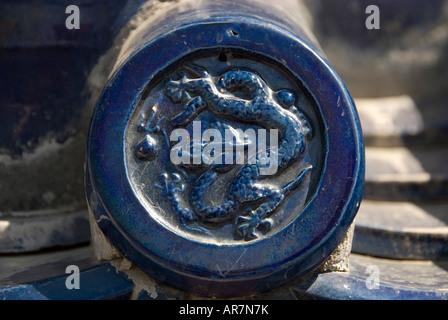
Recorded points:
(209, 268)
(143, 185)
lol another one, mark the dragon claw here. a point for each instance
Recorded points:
(248, 225)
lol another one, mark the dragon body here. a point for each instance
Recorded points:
(241, 96)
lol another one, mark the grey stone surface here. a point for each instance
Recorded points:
(401, 173)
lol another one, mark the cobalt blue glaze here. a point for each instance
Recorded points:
(101, 282)
(44, 101)
(205, 260)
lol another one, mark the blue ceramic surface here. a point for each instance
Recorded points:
(126, 154)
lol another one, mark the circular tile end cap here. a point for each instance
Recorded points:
(157, 214)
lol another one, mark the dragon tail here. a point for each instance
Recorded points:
(293, 184)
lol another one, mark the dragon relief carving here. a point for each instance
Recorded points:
(241, 96)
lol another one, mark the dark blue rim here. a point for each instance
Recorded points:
(199, 267)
